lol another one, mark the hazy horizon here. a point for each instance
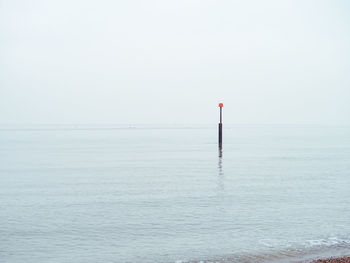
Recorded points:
(136, 62)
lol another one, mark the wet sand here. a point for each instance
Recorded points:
(333, 260)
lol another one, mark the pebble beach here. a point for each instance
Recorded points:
(333, 260)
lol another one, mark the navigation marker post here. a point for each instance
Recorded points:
(220, 125)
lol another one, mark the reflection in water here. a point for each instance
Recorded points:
(220, 172)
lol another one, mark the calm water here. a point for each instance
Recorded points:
(163, 194)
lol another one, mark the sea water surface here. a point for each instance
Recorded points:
(109, 193)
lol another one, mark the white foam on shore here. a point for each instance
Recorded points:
(305, 252)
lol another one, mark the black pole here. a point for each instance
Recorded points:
(220, 126)
(220, 135)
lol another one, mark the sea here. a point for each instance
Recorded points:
(168, 193)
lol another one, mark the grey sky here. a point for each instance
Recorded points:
(173, 61)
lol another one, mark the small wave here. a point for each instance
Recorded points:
(305, 252)
(331, 241)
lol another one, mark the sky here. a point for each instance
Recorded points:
(172, 62)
